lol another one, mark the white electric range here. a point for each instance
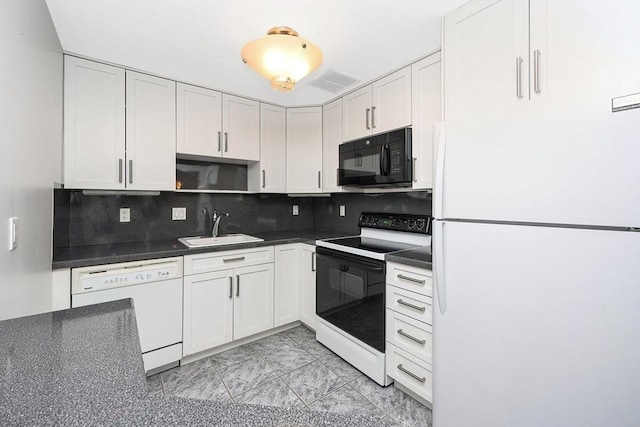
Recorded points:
(350, 287)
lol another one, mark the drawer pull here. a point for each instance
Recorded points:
(411, 279)
(240, 258)
(411, 374)
(411, 337)
(415, 307)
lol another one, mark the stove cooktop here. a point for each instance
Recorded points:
(371, 244)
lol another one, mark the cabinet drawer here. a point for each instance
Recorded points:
(411, 372)
(410, 335)
(411, 304)
(202, 263)
(410, 278)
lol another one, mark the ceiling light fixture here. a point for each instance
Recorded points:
(282, 57)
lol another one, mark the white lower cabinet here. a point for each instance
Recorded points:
(208, 311)
(227, 295)
(409, 329)
(308, 285)
(253, 300)
(287, 284)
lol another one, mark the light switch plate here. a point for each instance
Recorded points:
(125, 215)
(179, 214)
(295, 210)
(13, 233)
(343, 210)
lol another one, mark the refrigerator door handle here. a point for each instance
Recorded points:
(440, 137)
(438, 254)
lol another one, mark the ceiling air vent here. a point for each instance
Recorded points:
(333, 81)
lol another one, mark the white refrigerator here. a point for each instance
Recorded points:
(536, 235)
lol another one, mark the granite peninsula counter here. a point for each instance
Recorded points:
(83, 366)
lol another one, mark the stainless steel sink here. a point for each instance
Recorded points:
(228, 239)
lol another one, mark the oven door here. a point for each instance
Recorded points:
(350, 295)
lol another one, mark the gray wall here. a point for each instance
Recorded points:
(30, 152)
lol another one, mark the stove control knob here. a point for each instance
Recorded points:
(411, 224)
(421, 224)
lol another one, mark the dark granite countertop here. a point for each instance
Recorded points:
(420, 258)
(83, 366)
(83, 256)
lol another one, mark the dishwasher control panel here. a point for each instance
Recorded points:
(96, 278)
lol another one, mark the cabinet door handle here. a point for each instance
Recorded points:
(368, 110)
(411, 337)
(536, 71)
(130, 171)
(413, 169)
(519, 78)
(407, 304)
(219, 141)
(230, 287)
(410, 279)
(240, 258)
(313, 261)
(237, 285)
(373, 117)
(411, 374)
(264, 179)
(120, 171)
(319, 179)
(226, 142)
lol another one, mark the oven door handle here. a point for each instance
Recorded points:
(351, 260)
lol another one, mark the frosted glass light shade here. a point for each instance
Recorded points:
(282, 57)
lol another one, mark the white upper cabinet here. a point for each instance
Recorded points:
(391, 102)
(304, 150)
(331, 139)
(425, 99)
(94, 125)
(213, 124)
(356, 114)
(100, 151)
(151, 133)
(199, 121)
(380, 107)
(269, 176)
(240, 128)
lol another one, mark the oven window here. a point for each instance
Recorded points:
(350, 295)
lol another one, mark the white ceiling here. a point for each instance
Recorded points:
(199, 41)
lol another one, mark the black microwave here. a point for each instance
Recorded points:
(379, 160)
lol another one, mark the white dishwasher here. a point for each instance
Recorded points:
(156, 289)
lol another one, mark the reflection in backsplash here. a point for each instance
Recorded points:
(195, 175)
(82, 220)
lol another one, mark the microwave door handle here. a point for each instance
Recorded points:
(385, 160)
(387, 150)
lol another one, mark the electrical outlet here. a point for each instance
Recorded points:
(295, 210)
(125, 215)
(179, 214)
(343, 210)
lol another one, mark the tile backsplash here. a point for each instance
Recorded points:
(81, 220)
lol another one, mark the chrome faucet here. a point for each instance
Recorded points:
(216, 221)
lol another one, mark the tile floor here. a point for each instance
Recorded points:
(290, 369)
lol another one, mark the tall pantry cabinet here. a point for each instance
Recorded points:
(113, 142)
